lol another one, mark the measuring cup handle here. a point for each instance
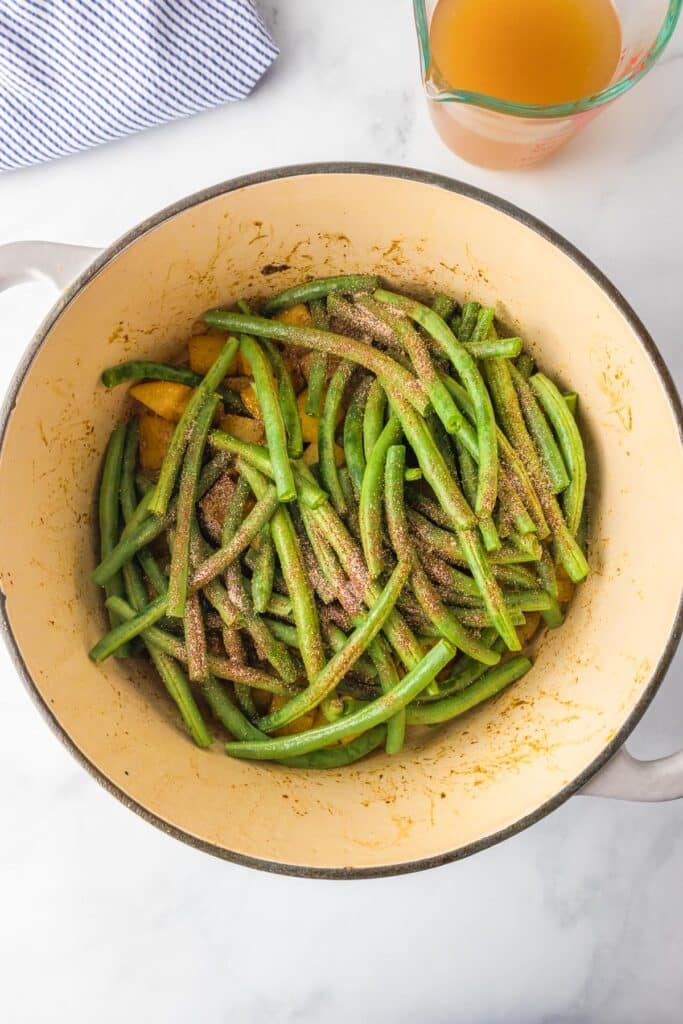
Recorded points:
(627, 778)
(56, 262)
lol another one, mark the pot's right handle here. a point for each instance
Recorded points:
(40, 261)
(627, 778)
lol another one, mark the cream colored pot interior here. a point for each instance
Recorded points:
(455, 785)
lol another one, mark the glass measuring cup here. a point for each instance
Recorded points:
(492, 132)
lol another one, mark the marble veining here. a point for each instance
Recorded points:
(577, 920)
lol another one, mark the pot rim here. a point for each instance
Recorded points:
(449, 185)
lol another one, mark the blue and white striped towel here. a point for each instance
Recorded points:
(74, 73)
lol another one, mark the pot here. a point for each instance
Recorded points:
(456, 789)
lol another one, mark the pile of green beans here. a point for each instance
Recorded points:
(330, 607)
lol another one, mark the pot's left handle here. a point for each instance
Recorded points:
(43, 261)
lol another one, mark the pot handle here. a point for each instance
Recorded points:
(43, 261)
(625, 777)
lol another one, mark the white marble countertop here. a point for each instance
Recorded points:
(579, 918)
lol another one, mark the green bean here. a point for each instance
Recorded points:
(483, 328)
(350, 557)
(521, 484)
(382, 365)
(525, 364)
(437, 475)
(109, 517)
(287, 396)
(273, 421)
(224, 668)
(187, 496)
(426, 594)
(148, 562)
(515, 576)
(491, 683)
(279, 605)
(342, 755)
(470, 314)
(444, 306)
(389, 679)
(373, 417)
(527, 600)
(376, 712)
(264, 571)
(468, 472)
(416, 348)
(318, 371)
(323, 569)
(152, 613)
(284, 632)
(552, 616)
(443, 443)
(326, 434)
(318, 289)
(448, 546)
(259, 457)
(232, 547)
(540, 431)
(171, 674)
(353, 435)
(335, 580)
(507, 406)
(128, 546)
(370, 502)
(125, 631)
(501, 348)
(572, 401)
(227, 714)
(351, 499)
(456, 585)
(512, 506)
(195, 639)
(246, 702)
(570, 442)
(365, 323)
(467, 670)
(479, 618)
(303, 602)
(487, 485)
(139, 369)
(267, 646)
(342, 662)
(433, 466)
(338, 640)
(517, 474)
(174, 456)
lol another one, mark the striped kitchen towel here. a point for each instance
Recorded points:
(74, 73)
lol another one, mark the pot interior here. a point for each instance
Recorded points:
(452, 786)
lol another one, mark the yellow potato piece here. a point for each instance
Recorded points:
(262, 699)
(311, 455)
(297, 315)
(203, 351)
(531, 624)
(309, 424)
(298, 725)
(155, 437)
(243, 428)
(249, 398)
(565, 587)
(166, 398)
